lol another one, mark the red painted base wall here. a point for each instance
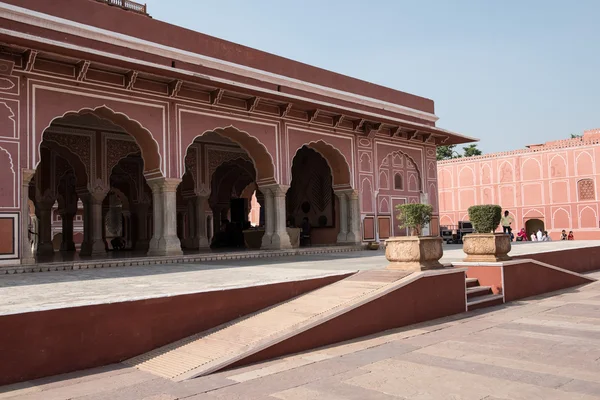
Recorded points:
(529, 279)
(577, 260)
(423, 300)
(44, 343)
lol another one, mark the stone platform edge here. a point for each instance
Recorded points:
(192, 258)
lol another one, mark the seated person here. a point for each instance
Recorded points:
(305, 231)
(522, 235)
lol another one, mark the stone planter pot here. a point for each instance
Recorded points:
(414, 253)
(486, 247)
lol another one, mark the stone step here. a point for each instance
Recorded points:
(487, 300)
(478, 291)
(472, 282)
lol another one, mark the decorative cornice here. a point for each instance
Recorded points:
(217, 80)
(175, 87)
(285, 110)
(29, 58)
(312, 115)
(81, 70)
(130, 79)
(62, 25)
(216, 96)
(252, 103)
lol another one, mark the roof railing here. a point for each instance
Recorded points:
(127, 5)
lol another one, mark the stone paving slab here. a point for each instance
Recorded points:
(59, 289)
(461, 357)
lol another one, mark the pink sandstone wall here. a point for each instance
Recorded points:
(555, 183)
(164, 110)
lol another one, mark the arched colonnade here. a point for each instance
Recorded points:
(110, 168)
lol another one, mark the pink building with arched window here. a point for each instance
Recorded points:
(552, 186)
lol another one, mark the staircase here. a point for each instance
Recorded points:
(481, 296)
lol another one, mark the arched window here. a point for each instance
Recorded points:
(585, 188)
(398, 183)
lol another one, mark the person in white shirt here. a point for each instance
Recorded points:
(546, 237)
(533, 237)
(539, 235)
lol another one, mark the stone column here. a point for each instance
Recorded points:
(354, 235)
(86, 244)
(126, 230)
(200, 214)
(43, 211)
(141, 211)
(67, 243)
(269, 215)
(276, 236)
(192, 235)
(26, 247)
(344, 216)
(164, 240)
(98, 245)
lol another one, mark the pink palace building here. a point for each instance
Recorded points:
(115, 125)
(551, 186)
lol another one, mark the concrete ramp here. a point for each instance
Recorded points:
(228, 344)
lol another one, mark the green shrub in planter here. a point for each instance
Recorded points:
(485, 218)
(414, 216)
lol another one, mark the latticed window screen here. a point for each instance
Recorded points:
(585, 187)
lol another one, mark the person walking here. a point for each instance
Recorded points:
(506, 221)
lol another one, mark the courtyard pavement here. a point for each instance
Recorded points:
(49, 290)
(543, 348)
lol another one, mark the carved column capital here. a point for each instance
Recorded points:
(202, 190)
(164, 185)
(274, 190)
(27, 176)
(98, 190)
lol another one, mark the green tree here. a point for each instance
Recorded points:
(574, 136)
(447, 152)
(472, 150)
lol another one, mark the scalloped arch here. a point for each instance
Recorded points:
(258, 153)
(340, 170)
(79, 168)
(412, 160)
(142, 136)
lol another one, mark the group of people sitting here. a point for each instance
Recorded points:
(539, 236)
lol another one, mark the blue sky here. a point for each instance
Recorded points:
(509, 72)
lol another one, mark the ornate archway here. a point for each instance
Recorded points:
(256, 151)
(148, 146)
(340, 169)
(319, 174)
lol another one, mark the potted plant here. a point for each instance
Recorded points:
(414, 252)
(484, 245)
